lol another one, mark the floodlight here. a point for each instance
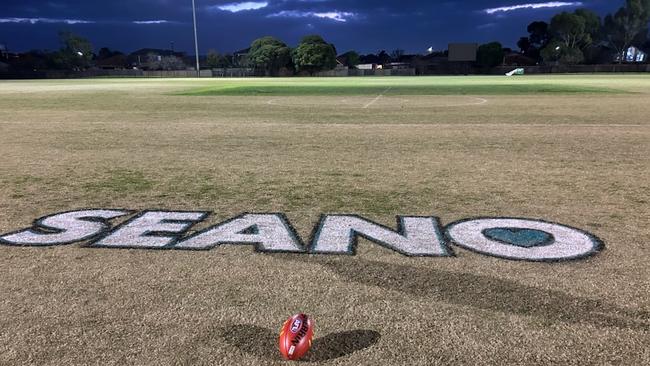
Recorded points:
(196, 41)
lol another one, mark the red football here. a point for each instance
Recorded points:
(295, 337)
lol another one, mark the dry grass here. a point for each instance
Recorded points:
(580, 159)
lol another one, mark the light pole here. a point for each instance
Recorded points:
(196, 41)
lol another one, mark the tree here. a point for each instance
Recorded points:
(34, 60)
(106, 52)
(269, 54)
(397, 54)
(646, 46)
(524, 44)
(313, 54)
(552, 52)
(557, 51)
(538, 38)
(539, 35)
(490, 54)
(593, 23)
(351, 59)
(625, 27)
(76, 52)
(569, 29)
(172, 63)
(592, 48)
(572, 56)
(572, 34)
(384, 57)
(214, 60)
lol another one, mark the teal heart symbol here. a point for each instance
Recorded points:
(526, 238)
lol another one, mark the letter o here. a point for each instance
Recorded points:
(564, 242)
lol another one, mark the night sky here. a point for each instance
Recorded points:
(229, 25)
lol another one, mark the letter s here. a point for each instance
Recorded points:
(63, 228)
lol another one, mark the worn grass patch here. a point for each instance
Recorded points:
(121, 181)
(395, 90)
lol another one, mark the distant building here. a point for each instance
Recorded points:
(369, 59)
(463, 52)
(634, 55)
(341, 60)
(397, 65)
(340, 65)
(3, 51)
(368, 66)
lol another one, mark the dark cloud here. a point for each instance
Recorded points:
(228, 25)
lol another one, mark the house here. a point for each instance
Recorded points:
(634, 55)
(462, 52)
(368, 66)
(369, 59)
(397, 65)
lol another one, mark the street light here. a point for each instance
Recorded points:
(196, 41)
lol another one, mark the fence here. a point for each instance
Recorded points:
(175, 74)
(574, 69)
(232, 73)
(96, 73)
(249, 72)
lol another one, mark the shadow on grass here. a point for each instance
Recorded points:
(263, 343)
(481, 292)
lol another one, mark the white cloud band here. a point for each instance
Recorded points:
(551, 4)
(339, 16)
(148, 22)
(243, 6)
(44, 20)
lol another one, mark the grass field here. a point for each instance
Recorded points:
(570, 149)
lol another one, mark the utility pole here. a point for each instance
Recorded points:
(196, 41)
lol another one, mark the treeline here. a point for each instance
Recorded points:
(76, 53)
(268, 55)
(580, 37)
(575, 37)
(273, 57)
(313, 54)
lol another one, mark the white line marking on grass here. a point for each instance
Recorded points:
(377, 98)
(278, 102)
(480, 101)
